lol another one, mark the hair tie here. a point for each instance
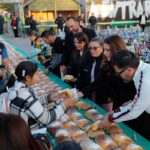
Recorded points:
(23, 73)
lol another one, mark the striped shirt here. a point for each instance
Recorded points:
(31, 108)
(141, 100)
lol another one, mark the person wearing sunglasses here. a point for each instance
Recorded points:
(135, 113)
(91, 67)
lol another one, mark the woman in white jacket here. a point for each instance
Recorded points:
(25, 103)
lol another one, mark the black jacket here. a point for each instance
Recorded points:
(121, 92)
(58, 46)
(33, 25)
(92, 20)
(85, 76)
(100, 86)
(108, 85)
(69, 43)
(77, 62)
(60, 21)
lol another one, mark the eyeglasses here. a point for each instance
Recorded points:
(119, 73)
(93, 48)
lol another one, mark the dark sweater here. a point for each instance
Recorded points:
(108, 85)
(57, 49)
(77, 62)
(85, 76)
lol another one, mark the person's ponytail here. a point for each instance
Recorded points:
(11, 81)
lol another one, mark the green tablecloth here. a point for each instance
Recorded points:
(140, 140)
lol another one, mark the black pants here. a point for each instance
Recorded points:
(141, 125)
(142, 27)
(15, 32)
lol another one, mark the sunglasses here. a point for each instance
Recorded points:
(93, 48)
(119, 73)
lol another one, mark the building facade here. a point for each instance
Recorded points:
(47, 10)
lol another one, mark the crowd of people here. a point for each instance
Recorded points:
(12, 24)
(105, 71)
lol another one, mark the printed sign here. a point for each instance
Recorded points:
(130, 9)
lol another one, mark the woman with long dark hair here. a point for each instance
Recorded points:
(15, 134)
(120, 91)
(79, 55)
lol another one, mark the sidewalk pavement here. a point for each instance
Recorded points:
(22, 43)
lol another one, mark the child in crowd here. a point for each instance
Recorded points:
(41, 48)
(25, 103)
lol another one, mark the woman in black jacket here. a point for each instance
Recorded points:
(79, 55)
(91, 67)
(120, 91)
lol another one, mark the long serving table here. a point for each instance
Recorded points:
(128, 131)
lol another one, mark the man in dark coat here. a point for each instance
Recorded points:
(92, 21)
(60, 22)
(33, 24)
